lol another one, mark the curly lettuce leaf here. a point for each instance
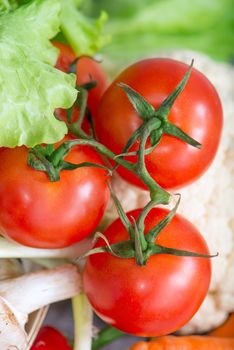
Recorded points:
(7, 5)
(83, 33)
(30, 87)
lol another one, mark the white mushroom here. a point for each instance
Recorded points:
(22, 295)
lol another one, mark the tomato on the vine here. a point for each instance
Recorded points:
(157, 298)
(49, 338)
(44, 214)
(197, 111)
(87, 70)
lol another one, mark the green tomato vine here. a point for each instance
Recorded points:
(155, 124)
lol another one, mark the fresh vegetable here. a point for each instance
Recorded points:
(50, 338)
(142, 28)
(7, 5)
(197, 111)
(154, 299)
(43, 214)
(83, 322)
(22, 295)
(32, 88)
(84, 34)
(186, 343)
(199, 204)
(88, 71)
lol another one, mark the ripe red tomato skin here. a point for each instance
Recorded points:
(49, 338)
(86, 69)
(198, 111)
(155, 299)
(44, 214)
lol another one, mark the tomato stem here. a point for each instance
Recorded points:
(75, 127)
(157, 194)
(83, 317)
(140, 245)
(123, 217)
(66, 146)
(154, 232)
(37, 159)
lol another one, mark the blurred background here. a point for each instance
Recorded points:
(138, 28)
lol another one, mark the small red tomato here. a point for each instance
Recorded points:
(155, 299)
(49, 338)
(197, 111)
(43, 214)
(87, 69)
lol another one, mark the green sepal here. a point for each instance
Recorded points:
(49, 149)
(35, 163)
(155, 124)
(167, 104)
(123, 250)
(155, 231)
(173, 130)
(72, 65)
(37, 160)
(51, 161)
(123, 217)
(142, 107)
(89, 85)
(158, 249)
(33, 156)
(134, 137)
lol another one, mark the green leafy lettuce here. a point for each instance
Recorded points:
(140, 28)
(7, 5)
(83, 33)
(30, 87)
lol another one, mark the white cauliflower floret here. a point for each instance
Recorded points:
(208, 317)
(207, 203)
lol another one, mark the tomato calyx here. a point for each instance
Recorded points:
(51, 160)
(147, 112)
(72, 68)
(130, 250)
(141, 246)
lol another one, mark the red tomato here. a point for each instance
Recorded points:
(154, 299)
(87, 69)
(50, 339)
(44, 214)
(197, 111)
